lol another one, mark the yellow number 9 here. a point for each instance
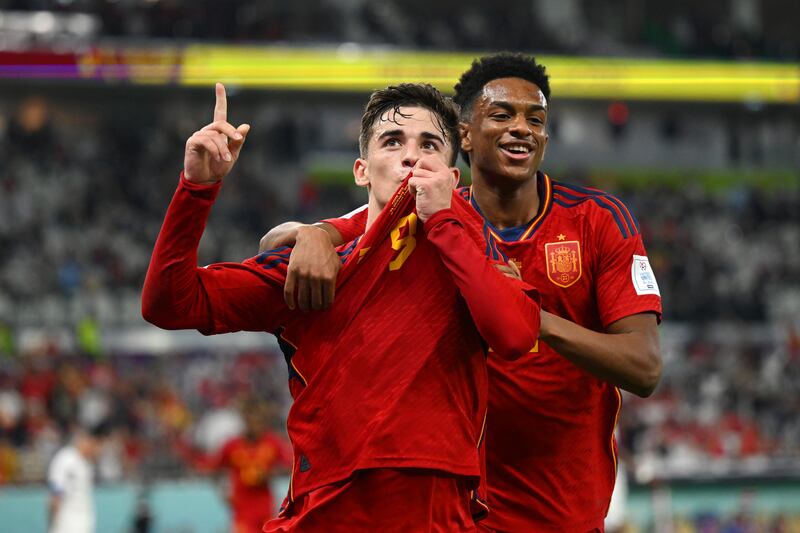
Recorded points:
(405, 245)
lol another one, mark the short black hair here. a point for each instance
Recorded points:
(100, 430)
(392, 98)
(495, 66)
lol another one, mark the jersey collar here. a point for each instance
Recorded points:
(525, 231)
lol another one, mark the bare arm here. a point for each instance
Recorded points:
(313, 264)
(52, 508)
(627, 355)
(286, 234)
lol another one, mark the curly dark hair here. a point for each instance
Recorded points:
(392, 98)
(494, 66)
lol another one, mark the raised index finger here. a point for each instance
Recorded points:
(221, 107)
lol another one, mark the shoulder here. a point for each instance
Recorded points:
(65, 460)
(64, 455)
(599, 207)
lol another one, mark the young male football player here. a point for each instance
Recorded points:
(389, 385)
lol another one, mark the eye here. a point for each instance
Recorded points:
(392, 141)
(430, 145)
(500, 116)
(535, 120)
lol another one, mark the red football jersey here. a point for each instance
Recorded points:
(550, 448)
(394, 374)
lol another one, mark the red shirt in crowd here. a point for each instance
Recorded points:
(250, 463)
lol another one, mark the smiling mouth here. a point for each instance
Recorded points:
(517, 151)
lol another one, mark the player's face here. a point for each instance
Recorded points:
(507, 133)
(398, 141)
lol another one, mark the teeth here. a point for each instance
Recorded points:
(517, 149)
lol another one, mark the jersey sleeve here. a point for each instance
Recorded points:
(57, 474)
(350, 225)
(625, 283)
(506, 311)
(219, 298)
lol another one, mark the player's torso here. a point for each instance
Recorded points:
(76, 512)
(395, 365)
(550, 454)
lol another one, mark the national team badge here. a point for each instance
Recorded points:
(563, 262)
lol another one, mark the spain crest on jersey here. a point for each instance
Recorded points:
(563, 262)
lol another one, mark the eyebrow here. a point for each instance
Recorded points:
(510, 107)
(400, 133)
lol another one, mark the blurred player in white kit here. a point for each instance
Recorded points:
(70, 478)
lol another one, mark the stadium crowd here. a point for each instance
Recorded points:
(78, 215)
(151, 402)
(736, 29)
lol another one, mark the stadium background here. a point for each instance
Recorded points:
(686, 110)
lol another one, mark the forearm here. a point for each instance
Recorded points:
(52, 509)
(627, 357)
(172, 295)
(505, 313)
(286, 234)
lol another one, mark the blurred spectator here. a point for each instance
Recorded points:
(251, 459)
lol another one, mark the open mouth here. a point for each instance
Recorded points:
(517, 150)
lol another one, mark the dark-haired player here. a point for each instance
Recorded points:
(550, 448)
(70, 478)
(389, 385)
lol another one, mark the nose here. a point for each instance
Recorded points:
(520, 127)
(411, 156)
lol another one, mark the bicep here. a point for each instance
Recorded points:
(642, 328)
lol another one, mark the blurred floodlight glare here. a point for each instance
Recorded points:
(82, 25)
(43, 22)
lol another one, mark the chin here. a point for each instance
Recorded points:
(519, 173)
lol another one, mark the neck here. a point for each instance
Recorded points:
(373, 210)
(83, 448)
(505, 203)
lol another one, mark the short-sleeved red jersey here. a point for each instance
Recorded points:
(394, 374)
(550, 448)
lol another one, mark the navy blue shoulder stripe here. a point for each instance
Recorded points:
(344, 254)
(627, 225)
(602, 204)
(272, 258)
(633, 225)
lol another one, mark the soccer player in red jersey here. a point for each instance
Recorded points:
(252, 460)
(550, 448)
(389, 385)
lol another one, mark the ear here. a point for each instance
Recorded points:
(360, 172)
(456, 175)
(466, 136)
(544, 148)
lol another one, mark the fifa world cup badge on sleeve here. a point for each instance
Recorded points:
(563, 262)
(644, 281)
